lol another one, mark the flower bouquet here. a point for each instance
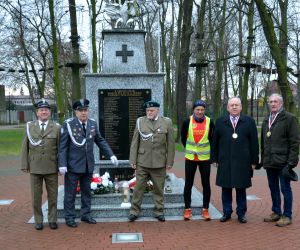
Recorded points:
(101, 184)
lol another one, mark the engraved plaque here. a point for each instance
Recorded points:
(118, 111)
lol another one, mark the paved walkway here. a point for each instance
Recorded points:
(16, 233)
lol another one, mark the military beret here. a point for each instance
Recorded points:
(150, 104)
(81, 104)
(199, 103)
(42, 104)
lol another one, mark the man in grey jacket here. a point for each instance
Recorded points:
(279, 148)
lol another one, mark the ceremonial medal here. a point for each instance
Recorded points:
(234, 135)
(268, 133)
(91, 136)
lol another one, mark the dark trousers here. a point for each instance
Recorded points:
(274, 179)
(241, 201)
(190, 170)
(71, 180)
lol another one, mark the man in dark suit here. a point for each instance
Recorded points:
(76, 160)
(39, 158)
(151, 153)
(235, 154)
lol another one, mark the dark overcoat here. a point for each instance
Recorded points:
(75, 157)
(235, 156)
(282, 147)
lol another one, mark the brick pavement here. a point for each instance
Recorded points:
(15, 233)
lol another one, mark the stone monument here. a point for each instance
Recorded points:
(117, 94)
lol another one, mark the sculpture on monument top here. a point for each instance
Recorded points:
(122, 13)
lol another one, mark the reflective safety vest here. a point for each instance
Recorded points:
(202, 148)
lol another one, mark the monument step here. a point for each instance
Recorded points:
(112, 211)
(117, 198)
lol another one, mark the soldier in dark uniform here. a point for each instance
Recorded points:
(151, 153)
(76, 160)
(39, 158)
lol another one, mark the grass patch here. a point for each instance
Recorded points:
(11, 141)
(179, 147)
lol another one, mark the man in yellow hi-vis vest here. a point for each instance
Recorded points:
(196, 135)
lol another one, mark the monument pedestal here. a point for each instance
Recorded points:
(108, 207)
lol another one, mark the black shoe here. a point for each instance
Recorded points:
(39, 226)
(53, 225)
(89, 220)
(225, 218)
(242, 219)
(161, 218)
(132, 217)
(71, 223)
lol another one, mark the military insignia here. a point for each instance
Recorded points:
(91, 136)
(74, 129)
(79, 129)
(92, 130)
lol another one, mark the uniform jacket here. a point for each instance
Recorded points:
(282, 147)
(235, 156)
(158, 151)
(41, 159)
(77, 158)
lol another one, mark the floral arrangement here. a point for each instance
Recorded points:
(149, 186)
(101, 184)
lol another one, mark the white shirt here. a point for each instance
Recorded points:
(40, 124)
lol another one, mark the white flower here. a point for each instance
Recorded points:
(93, 185)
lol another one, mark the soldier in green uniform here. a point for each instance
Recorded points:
(151, 153)
(39, 158)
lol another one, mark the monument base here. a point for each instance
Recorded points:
(108, 207)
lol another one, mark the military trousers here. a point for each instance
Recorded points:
(157, 176)
(51, 182)
(71, 181)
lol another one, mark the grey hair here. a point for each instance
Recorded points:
(234, 97)
(277, 96)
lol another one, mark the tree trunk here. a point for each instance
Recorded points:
(56, 79)
(200, 53)
(248, 57)
(76, 87)
(278, 49)
(184, 63)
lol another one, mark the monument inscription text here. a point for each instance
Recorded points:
(118, 111)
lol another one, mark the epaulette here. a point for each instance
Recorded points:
(92, 119)
(57, 124)
(69, 120)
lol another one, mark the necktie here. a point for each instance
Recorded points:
(273, 117)
(43, 128)
(234, 121)
(84, 129)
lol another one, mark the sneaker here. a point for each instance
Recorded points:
(284, 221)
(205, 214)
(272, 218)
(187, 214)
